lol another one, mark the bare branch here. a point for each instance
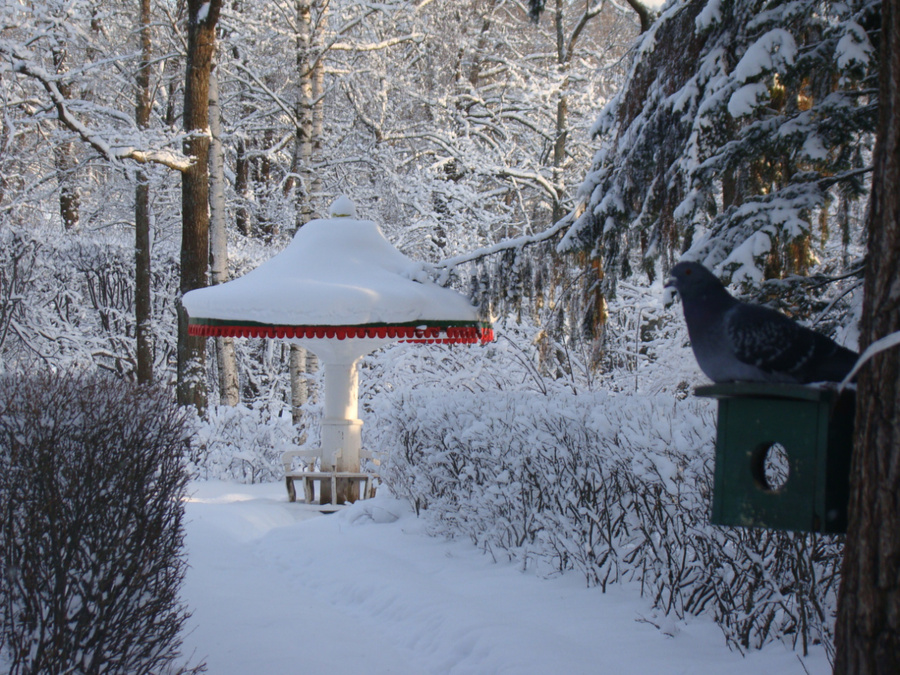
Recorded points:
(275, 98)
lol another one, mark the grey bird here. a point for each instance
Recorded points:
(734, 341)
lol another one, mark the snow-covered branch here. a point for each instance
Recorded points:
(166, 157)
(873, 349)
(514, 244)
(374, 46)
(530, 176)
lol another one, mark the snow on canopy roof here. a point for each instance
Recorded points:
(338, 271)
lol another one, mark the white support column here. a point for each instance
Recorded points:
(341, 428)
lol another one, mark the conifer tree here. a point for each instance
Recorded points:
(742, 132)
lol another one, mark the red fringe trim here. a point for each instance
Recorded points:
(426, 334)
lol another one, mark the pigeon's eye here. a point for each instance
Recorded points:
(687, 272)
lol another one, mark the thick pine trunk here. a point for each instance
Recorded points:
(868, 624)
(202, 17)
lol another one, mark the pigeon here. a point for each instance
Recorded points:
(734, 341)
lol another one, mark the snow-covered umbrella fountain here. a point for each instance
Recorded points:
(341, 290)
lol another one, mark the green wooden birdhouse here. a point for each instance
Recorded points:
(782, 456)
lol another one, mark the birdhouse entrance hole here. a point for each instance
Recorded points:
(782, 456)
(771, 467)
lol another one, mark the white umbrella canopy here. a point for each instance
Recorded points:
(341, 290)
(337, 272)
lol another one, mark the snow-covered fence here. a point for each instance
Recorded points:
(615, 487)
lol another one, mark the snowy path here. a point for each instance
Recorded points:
(275, 588)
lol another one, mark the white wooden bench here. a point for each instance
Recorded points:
(309, 475)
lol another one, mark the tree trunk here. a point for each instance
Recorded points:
(69, 201)
(868, 623)
(267, 226)
(318, 100)
(143, 307)
(218, 236)
(303, 113)
(202, 17)
(64, 159)
(242, 215)
(481, 47)
(565, 48)
(299, 383)
(242, 187)
(559, 153)
(308, 110)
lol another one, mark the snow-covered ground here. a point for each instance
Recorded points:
(276, 588)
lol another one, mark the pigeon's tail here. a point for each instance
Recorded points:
(833, 364)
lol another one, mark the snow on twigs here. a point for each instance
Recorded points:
(242, 443)
(613, 487)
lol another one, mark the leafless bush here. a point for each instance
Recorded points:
(17, 258)
(91, 534)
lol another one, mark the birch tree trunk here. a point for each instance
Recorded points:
(202, 18)
(317, 100)
(218, 237)
(303, 144)
(868, 622)
(307, 144)
(142, 294)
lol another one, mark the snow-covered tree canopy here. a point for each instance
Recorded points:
(741, 139)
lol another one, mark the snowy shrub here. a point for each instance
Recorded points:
(242, 443)
(91, 555)
(70, 300)
(615, 487)
(18, 252)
